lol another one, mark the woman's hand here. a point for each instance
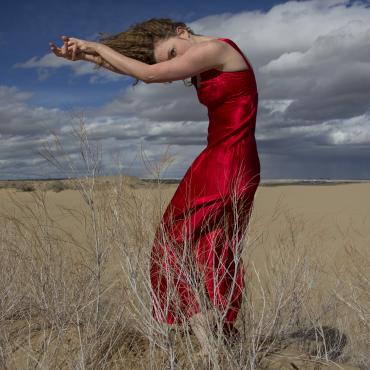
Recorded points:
(63, 51)
(74, 49)
(80, 55)
(75, 45)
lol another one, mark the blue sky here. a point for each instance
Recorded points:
(27, 27)
(311, 58)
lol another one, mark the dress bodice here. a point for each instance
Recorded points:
(231, 98)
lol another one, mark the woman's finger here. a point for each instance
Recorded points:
(54, 49)
(70, 48)
(74, 49)
(71, 44)
(65, 46)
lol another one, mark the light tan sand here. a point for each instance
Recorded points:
(332, 216)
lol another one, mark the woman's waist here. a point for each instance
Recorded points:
(230, 136)
(235, 156)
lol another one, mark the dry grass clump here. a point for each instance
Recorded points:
(30, 185)
(82, 300)
(24, 186)
(21, 185)
(354, 292)
(58, 185)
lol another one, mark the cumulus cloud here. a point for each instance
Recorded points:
(78, 67)
(158, 102)
(355, 130)
(332, 77)
(25, 130)
(312, 63)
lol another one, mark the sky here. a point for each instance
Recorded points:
(311, 59)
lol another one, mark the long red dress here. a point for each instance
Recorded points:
(197, 245)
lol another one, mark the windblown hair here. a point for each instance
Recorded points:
(138, 41)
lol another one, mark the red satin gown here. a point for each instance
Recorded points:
(197, 245)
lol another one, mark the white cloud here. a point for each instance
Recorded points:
(24, 129)
(345, 44)
(79, 68)
(355, 130)
(47, 61)
(275, 105)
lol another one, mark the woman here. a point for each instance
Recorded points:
(196, 250)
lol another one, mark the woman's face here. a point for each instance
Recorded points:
(172, 47)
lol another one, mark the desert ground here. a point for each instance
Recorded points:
(74, 279)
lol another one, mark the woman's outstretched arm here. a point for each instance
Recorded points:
(198, 58)
(99, 61)
(77, 49)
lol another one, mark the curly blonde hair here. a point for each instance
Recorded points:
(138, 40)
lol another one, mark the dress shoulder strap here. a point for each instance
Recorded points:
(236, 47)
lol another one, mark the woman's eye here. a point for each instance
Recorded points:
(173, 52)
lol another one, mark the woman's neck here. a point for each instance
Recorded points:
(197, 39)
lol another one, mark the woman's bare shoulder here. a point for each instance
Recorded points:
(213, 43)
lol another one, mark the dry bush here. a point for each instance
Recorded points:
(24, 186)
(57, 185)
(85, 302)
(58, 313)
